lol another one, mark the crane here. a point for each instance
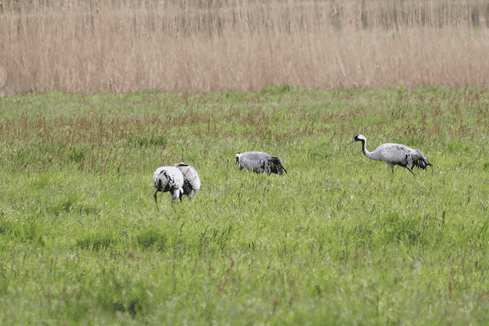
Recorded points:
(168, 179)
(191, 180)
(259, 162)
(394, 154)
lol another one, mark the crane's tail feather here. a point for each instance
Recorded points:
(420, 161)
(277, 166)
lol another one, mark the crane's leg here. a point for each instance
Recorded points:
(410, 170)
(391, 166)
(156, 202)
(159, 188)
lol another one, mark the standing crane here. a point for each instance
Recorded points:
(168, 179)
(259, 162)
(191, 180)
(394, 154)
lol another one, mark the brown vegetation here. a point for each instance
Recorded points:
(200, 46)
(144, 130)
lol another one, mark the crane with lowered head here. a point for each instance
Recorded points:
(191, 180)
(168, 179)
(260, 162)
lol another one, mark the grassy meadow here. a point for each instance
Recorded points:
(339, 240)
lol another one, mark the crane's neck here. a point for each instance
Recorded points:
(368, 154)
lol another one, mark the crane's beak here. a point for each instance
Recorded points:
(351, 141)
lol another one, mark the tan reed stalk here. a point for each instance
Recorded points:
(193, 46)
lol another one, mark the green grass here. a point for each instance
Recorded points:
(337, 240)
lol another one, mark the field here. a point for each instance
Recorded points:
(107, 91)
(337, 240)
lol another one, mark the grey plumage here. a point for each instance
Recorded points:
(191, 180)
(394, 154)
(259, 162)
(168, 179)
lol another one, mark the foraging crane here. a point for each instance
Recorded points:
(191, 180)
(394, 154)
(259, 162)
(168, 178)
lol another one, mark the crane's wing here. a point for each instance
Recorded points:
(396, 154)
(175, 176)
(255, 161)
(168, 175)
(190, 177)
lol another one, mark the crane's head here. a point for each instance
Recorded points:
(358, 137)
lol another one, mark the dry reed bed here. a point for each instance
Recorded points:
(203, 46)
